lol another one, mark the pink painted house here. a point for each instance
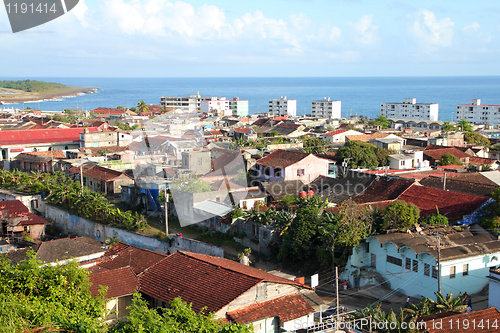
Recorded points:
(283, 165)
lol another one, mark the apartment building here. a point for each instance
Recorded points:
(326, 108)
(283, 107)
(410, 109)
(239, 107)
(478, 113)
(190, 103)
(216, 105)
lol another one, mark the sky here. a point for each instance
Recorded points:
(272, 38)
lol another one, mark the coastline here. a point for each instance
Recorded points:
(53, 95)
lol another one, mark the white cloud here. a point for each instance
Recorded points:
(474, 33)
(431, 32)
(365, 30)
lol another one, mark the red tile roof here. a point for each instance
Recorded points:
(484, 321)
(59, 154)
(109, 111)
(384, 189)
(286, 308)
(245, 130)
(13, 208)
(437, 153)
(120, 282)
(282, 158)
(100, 173)
(125, 255)
(451, 204)
(202, 280)
(52, 135)
(339, 131)
(481, 161)
(33, 219)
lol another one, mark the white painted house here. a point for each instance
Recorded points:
(338, 136)
(406, 161)
(408, 261)
(494, 289)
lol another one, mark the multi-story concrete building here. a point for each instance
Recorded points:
(216, 105)
(410, 109)
(283, 107)
(326, 108)
(239, 107)
(191, 103)
(478, 113)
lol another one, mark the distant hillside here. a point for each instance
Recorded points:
(32, 85)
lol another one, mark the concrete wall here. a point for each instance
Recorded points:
(83, 227)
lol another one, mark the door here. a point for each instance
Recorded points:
(373, 260)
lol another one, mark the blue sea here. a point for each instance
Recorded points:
(359, 95)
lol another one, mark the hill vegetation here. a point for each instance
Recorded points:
(32, 85)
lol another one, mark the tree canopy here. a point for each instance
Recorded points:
(464, 125)
(447, 127)
(474, 138)
(400, 214)
(449, 159)
(363, 155)
(382, 121)
(314, 145)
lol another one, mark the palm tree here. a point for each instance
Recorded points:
(142, 107)
(442, 303)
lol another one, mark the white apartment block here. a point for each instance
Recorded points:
(326, 108)
(191, 103)
(478, 113)
(239, 107)
(283, 107)
(216, 105)
(410, 109)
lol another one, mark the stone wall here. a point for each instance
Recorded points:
(83, 227)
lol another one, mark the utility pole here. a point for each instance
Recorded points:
(444, 182)
(439, 261)
(166, 210)
(337, 323)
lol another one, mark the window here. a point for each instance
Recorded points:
(415, 265)
(261, 291)
(300, 172)
(465, 271)
(434, 272)
(452, 272)
(277, 172)
(427, 269)
(394, 260)
(408, 263)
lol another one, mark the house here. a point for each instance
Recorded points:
(287, 130)
(337, 190)
(407, 161)
(291, 165)
(121, 284)
(409, 261)
(494, 287)
(244, 133)
(228, 289)
(17, 221)
(60, 251)
(176, 148)
(383, 189)
(450, 139)
(12, 143)
(434, 155)
(371, 137)
(42, 161)
(472, 183)
(197, 162)
(391, 144)
(338, 136)
(100, 179)
(105, 138)
(112, 113)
